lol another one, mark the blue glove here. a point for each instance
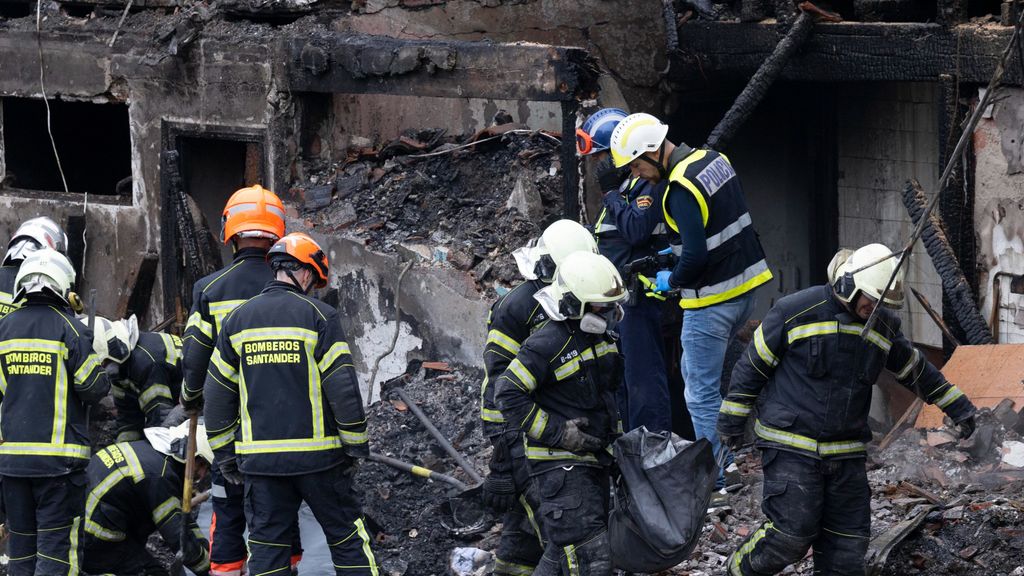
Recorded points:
(661, 281)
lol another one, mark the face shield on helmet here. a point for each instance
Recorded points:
(33, 234)
(634, 136)
(44, 271)
(113, 340)
(588, 288)
(596, 133)
(173, 441)
(563, 237)
(867, 271)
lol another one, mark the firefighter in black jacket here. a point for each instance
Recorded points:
(33, 234)
(810, 372)
(145, 374)
(512, 319)
(282, 395)
(48, 374)
(253, 219)
(134, 490)
(560, 391)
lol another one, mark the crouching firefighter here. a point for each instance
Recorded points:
(48, 374)
(810, 373)
(134, 490)
(631, 230)
(560, 390)
(513, 318)
(145, 374)
(285, 414)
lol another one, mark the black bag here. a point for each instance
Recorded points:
(661, 499)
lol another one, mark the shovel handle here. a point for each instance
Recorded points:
(190, 466)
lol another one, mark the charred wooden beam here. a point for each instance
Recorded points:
(380, 65)
(714, 52)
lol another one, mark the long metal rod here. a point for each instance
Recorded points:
(967, 133)
(459, 458)
(416, 470)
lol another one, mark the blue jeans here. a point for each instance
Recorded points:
(705, 337)
(644, 397)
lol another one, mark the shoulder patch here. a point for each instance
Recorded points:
(644, 202)
(715, 175)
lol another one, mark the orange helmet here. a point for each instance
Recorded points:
(298, 250)
(252, 212)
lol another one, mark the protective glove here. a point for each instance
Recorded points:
(967, 426)
(195, 555)
(193, 406)
(732, 441)
(661, 283)
(609, 177)
(176, 416)
(499, 492)
(574, 439)
(229, 470)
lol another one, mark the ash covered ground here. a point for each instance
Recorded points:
(467, 208)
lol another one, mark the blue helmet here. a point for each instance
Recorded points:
(596, 133)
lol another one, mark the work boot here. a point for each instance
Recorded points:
(719, 499)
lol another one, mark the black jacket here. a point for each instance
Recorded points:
(49, 374)
(512, 319)
(153, 373)
(7, 277)
(559, 374)
(135, 490)
(213, 298)
(281, 391)
(810, 374)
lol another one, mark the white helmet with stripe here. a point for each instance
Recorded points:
(635, 135)
(44, 271)
(115, 340)
(867, 271)
(32, 235)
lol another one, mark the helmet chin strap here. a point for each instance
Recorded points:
(660, 164)
(304, 289)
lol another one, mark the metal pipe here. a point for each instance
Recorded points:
(459, 458)
(416, 470)
(997, 302)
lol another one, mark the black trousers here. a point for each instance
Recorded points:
(809, 502)
(126, 558)
(44, 517)
(271, 509)
(521, 545)
(574, 518)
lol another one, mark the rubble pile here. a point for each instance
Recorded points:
(406, 512)
(466, 206)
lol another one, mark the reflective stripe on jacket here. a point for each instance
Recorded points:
(512, 318)
(154, 374)
(810, 374)
(559, 374)
(213, 298)
(48, 374)
(736, 263)
(281, 391)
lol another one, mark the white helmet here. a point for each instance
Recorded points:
(44, 271)
(586, 278)
(558, 240)
(174, 441)
(115, 340)
(837, 263)
(862, 273)
(635, 135)
(33, 234)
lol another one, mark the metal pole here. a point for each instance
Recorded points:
(416, 470)
(570, 163)
(459, 458)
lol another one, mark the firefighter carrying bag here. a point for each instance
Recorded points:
(661, 499)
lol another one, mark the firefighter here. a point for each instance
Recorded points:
(252, 221)
(145, 373)
(629, 228)
(511, 320)
(48, 375)
(282, 397)
(810, 372)
(33, 234)
(721, 261)
(134, 490)
(560, 390)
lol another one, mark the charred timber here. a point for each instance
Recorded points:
(712, 52)
(378, 65)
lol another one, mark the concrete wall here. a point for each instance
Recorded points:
(888, 132)
(999, 209)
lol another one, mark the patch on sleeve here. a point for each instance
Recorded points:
(644, 202)
(715, 175)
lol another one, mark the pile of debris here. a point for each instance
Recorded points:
(464, 205)
(415, 534)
